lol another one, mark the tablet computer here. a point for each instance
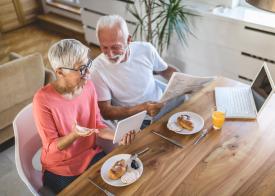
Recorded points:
(128, 124)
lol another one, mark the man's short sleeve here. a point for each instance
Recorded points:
(102, 90)
(158, 62)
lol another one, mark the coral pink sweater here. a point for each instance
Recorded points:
(54, 117)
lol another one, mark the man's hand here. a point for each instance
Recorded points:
(128, 138)
(153, 108)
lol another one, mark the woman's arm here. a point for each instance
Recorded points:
(107, 133)
(65, 141)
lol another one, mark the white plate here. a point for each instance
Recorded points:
(197, 120)
(108, 165)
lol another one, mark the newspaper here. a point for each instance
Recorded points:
(181, 83)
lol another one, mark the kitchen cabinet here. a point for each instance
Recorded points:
(16, 13)
(92, 10)
(224, 46)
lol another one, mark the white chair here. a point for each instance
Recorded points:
(27, 143)
(28, 150)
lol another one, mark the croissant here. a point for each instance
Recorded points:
(118, 170)
(184, 123)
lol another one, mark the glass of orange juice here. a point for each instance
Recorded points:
(218, 117)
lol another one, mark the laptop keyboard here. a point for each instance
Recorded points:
(236, 101)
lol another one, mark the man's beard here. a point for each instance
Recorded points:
(114, 62)
(119, 58)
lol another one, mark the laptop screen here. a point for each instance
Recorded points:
(261, 88)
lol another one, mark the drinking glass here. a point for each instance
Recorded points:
(218, 117)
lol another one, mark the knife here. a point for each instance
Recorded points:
(204, 133)
(168, 139)
(108, 193)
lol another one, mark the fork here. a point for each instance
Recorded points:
(134, 156)
(203, 134)
(108, 193)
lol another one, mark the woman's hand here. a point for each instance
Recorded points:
(83, 131)
(77, 132)
(128, 138)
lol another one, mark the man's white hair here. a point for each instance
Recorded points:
(67, 53)
(109, 22)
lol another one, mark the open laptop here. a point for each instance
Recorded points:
(246, 102)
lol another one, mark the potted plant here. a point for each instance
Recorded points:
(158, 20)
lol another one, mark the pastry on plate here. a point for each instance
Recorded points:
(185, 123)
(118, 170)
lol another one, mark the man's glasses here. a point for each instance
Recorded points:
(82, 68)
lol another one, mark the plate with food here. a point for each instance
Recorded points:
(121, 170)
(185, 123)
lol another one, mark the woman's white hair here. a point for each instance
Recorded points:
(111, 21)
(67, 53)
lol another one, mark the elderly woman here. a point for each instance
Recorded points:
(61, 109)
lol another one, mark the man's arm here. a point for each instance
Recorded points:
(110, 112)
(167, 73)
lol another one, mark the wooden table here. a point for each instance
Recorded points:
(239, 159)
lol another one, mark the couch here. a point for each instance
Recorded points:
(19, 80)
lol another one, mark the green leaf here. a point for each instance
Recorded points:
(162, 18)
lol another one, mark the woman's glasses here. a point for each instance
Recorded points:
(83, 68)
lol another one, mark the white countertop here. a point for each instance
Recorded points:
(239, 13)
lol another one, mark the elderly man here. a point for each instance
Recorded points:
(67, 117)
(123, 73)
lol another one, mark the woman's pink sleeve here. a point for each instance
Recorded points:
(45, 124)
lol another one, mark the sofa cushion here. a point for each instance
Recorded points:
(20, 79)
(7, 116)
(5, 135)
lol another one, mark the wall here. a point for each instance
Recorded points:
(232, 43)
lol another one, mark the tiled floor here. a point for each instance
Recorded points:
(10, 182)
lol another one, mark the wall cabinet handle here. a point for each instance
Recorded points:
(245, 78)
(257, 57)
(259, 30)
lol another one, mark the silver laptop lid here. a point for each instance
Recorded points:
(262, 87)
